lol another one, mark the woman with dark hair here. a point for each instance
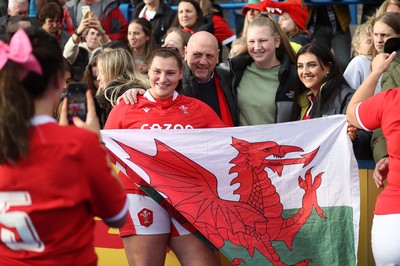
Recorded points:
(141, 42)
(90, 75)
(49, 18)
(41, 3)
(327, 92)
(190, 18)
(54, 179)
(68, 76)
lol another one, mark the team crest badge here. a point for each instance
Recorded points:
(145, 217)
(184, 109)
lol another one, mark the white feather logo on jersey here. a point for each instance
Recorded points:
(184, 109)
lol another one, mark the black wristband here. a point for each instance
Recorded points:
(76, 33)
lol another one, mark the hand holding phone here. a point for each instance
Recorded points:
(85, 11)
(91, 123)
(76, 101)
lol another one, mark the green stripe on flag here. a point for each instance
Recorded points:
(325, 242)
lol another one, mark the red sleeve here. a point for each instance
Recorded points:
(108, 198)
(222, 31)
(369, 112)
(67, 23)
(116, 118)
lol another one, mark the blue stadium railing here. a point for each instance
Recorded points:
(127, 9)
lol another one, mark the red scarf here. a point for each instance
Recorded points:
(307, 114)
(223, 105)
(188, 30)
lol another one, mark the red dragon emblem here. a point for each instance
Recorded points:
(192, 190)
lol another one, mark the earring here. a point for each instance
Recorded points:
(326, 74)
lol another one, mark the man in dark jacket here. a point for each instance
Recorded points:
(202, 79)
(159, 14)
(206, 82)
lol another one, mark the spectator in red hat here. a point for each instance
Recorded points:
(250, 11)
(292, 19)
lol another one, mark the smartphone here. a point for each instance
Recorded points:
(76, 101)
(85, 10)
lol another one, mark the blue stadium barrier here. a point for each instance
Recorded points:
(127, 9)
(366, 164)
(32, 9)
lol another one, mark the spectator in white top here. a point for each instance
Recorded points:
(87, 38)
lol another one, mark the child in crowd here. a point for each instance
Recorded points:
(360, 66)
(362, 39)
(237, 46)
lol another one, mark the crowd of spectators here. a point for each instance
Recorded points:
(287, 62)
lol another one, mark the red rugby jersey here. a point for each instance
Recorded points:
(177, 112)
(48, 200)
(382, 110)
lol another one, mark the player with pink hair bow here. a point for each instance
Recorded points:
(20, 51)
(49, 170)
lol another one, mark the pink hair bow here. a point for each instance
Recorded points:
(20, 51)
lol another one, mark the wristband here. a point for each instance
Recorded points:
(76, 33)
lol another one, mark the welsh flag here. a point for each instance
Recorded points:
(282, 194)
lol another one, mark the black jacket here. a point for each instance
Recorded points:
(190, 87)
(301, 38)
(287, 94)
(161, 22)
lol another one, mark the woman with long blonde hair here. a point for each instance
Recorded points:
(117, 72)
(265, 75)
